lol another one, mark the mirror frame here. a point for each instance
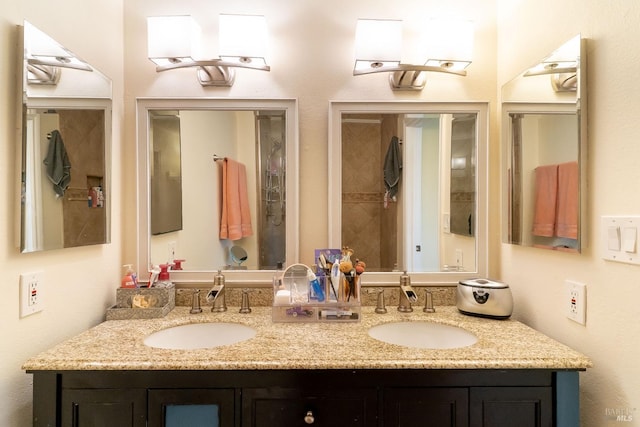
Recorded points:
(578, 107)
(246, 277)
(434, 278)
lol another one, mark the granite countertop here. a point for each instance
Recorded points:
(118, 345)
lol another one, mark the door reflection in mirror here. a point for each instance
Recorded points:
(430, 216)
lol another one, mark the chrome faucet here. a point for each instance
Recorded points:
(217, 294)
(407, 294)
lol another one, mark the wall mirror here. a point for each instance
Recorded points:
(544, 152)
(416, 201)
(188, 191)
(65, 146)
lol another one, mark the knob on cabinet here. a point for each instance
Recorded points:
(309, 419)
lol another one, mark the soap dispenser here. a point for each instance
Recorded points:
(129, 279)
(164, 280)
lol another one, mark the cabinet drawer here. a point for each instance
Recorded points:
(301, 407)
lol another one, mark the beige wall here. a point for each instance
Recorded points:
(79, 283)
(311, 60)
(527, 30)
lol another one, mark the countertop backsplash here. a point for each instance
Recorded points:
(263, 296)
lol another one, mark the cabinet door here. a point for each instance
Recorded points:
(104, 408)
(191, 407)
(300, 407)
(421, 407)
(511, 407)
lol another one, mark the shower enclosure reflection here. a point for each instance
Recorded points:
(203, 141)
(424, 218)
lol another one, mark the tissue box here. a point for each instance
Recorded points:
(142, 303)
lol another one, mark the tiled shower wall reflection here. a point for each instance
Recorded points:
(368, 227)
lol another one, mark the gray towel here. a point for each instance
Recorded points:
(57, 164)
(392, 167)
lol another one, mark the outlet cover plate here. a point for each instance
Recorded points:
(31, 298)
(575, 301)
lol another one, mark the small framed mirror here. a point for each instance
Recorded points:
(544, 152)
(65, 147)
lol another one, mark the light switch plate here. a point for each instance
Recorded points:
(619, 238)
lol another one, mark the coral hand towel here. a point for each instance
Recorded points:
(235, 220)
(545, 198)
(568, 201)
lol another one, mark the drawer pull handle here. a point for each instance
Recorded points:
(309, 419)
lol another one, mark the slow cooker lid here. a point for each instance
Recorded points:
(484, 283)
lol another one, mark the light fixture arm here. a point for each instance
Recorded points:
(243, 63)
(408, 67)
(214, 72)
(550, 70)
(59, 62)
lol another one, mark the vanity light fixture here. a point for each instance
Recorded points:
(446, 46)
(561, 65)
(45, 58)
(175, 42)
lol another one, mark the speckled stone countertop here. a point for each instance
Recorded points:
(118, 345)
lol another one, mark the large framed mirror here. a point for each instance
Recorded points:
(408, 188)
(544, 152)
(218, 187)
(65, 146)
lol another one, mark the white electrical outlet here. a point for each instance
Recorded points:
(459, 262)
(31, 299)
(575, 296)
(171, 247)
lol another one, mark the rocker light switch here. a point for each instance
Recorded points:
(620, 238)
(613, 233)
(629, 239)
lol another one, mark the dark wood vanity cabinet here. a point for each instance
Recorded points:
(292, 398)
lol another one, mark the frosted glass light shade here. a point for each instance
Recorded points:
(448, 40)
(243, 38)
(171, 38)
(39, 44)
(378, 40)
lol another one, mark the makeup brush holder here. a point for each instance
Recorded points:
(302, 296)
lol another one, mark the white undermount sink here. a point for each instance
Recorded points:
(200, 335)
(423, 335)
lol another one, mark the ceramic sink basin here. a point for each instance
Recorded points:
(200, 335)
(423, 335)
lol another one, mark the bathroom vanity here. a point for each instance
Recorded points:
(294, 374)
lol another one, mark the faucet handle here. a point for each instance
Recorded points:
(380, 306)
(195, 302)
(428, 302)
(244, 308)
